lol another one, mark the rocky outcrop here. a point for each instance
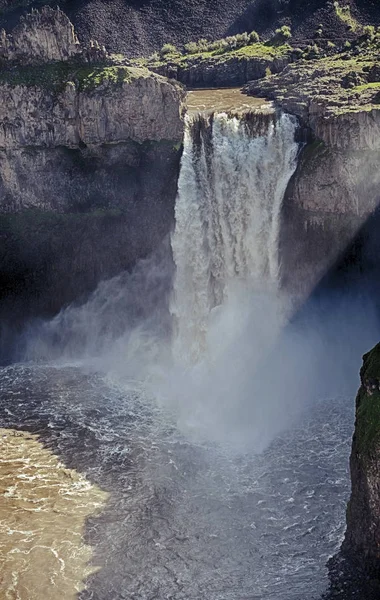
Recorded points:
(41, 36)
(345, 118)
(117, 104)
(355, 571)
(44, 36)
(351, 131)
(223, 72)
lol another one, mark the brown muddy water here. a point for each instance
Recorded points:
(43, 510)
(183, 521)
(226, 100)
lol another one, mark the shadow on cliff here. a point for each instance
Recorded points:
(345, 307)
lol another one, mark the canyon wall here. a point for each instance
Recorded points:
(89, 163)
(336, 188)
(355, 571)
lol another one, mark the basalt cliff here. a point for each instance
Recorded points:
(89, 159)
(355, 571)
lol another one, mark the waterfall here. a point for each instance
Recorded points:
(233, 177)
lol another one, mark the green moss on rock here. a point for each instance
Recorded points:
(368, 403)
(58, 75)
(371, 365)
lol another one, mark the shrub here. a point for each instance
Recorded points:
(155, 57)
(268, 72)
(191, 48)
(283, 33)
(168, 49)
(254, 37)
(369, 32)
(203, 45)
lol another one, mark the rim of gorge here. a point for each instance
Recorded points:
(189, 267)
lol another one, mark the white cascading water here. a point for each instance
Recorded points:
(232, 182)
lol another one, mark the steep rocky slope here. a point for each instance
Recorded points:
(355, 571)
(363, 514)
(138, 27)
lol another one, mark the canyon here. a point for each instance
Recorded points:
(103, 157)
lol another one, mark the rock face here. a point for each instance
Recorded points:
(41, 36)
(330, 197)
(336, 186)
(135, 105)
(44, 36)
(345, 118)
(355, 571)
(363, 513)
(89, 162)
(224, 73)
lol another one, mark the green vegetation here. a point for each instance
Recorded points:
(220, 46)
(368, 421)
(282, 35)
(368, 403)
(58, 75)
(367, 86)
(240, 47)
(371, 364)
(168, 50)
(344, 14)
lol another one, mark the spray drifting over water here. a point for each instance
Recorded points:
(211, 362)
(233, 178)
(226, 303)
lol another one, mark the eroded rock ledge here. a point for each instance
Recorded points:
(338, 98)
(46, 35)
(335, 189)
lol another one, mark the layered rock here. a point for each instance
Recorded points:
(336, 186)
(99, 106)
(223, 72)
(89, 162)
(344, 116)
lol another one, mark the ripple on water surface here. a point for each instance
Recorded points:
(184, 521)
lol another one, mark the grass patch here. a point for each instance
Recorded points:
(256, 50)
(263, 51)
(58, 75)
(367, 86)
